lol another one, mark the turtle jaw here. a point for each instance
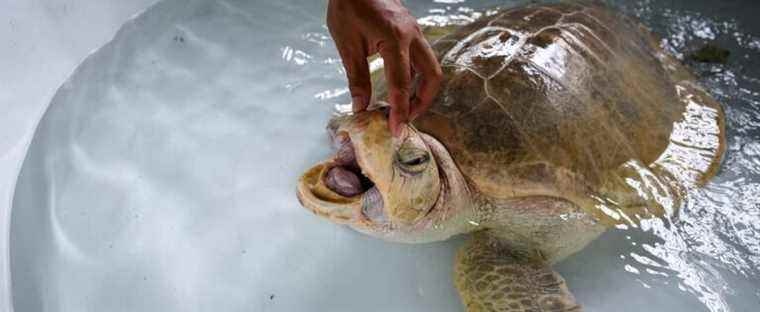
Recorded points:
(316, 196)
(338, 190)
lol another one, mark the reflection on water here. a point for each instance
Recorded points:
(170, 168)
(711, 247)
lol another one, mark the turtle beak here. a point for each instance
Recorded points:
(337, 189)
(315, 195)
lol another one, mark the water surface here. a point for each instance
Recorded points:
(162, 177)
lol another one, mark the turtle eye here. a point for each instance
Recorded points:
(412, 159)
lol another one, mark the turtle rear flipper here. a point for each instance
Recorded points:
(492, 278)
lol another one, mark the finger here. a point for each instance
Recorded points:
(357, 72)
(425, 62)
(398, 75)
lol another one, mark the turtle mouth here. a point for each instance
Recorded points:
(344, 176)
(339, 190)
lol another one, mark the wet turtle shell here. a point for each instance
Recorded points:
(573, 101)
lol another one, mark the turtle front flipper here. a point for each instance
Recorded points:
(491, 277)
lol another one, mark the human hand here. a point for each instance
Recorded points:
(361, 28)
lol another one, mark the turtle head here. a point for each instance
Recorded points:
(402, 189)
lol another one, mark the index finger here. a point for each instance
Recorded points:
(357, 72)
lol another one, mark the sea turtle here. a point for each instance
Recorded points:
(554, 123)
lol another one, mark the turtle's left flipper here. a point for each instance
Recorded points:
(492, 278)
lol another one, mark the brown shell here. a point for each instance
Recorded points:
(563, 100)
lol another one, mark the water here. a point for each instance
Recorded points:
(162, 178)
